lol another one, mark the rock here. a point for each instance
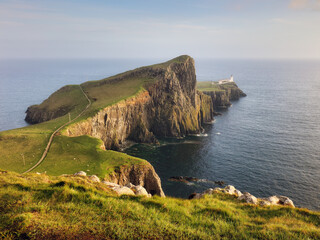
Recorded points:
(229, 189)
(123, 190)
(209, 191)
(237, 193)
(143, 175)
(130, 185)
(94, 178)
(285, 201)
(81, 173)
(110, 184)
(140, 191)
(264, 202)
(220, 183)
(288, 202)
(248, 198)
(274, 200)
(195, 196)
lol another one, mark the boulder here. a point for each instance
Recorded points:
(285, 201)
(264, 202)
(248, 198)
(81, 173)
(288, 202)
(229, 189)
(123, 190)
(140, 191)
(94, 178)
(273, 200)
(238, 193)
(110, 184)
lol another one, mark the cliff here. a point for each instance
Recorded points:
(221, 94)
(170, 106)
(140, 105)
(143, 175)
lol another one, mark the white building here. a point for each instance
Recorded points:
(223, 81)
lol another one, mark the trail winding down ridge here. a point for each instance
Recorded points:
(56, 131)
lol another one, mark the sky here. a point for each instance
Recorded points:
(257, 29)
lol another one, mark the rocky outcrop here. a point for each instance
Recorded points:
(169, 107)
(227, 93)
(143, 175)
(246, 197)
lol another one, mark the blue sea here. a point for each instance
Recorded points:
(267, 143)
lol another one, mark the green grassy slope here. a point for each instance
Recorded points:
(22, 148)
(209, 86)
(41, 207)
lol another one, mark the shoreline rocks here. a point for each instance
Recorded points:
(246, 197)
(128, 189)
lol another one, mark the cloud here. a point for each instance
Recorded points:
(305, 4)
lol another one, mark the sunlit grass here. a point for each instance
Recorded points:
(42, 207)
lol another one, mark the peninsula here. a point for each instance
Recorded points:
(64, 177)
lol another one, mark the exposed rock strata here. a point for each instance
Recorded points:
(170, 107)
(222, 99)
(143, 175)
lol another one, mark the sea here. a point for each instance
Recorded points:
(267, 143)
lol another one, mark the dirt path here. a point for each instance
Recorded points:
(56, 131)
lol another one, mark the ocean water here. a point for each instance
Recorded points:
(267, 143)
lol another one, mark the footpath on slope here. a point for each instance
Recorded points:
(56, 131)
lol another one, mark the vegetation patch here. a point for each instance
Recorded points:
(75, 208)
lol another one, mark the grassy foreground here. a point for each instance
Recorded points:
(41, 207)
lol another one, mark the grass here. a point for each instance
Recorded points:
(210, 86)
(42, 207)
(22, 148)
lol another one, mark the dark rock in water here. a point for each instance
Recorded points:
(191, 179)
(220, 183)
(183, 179)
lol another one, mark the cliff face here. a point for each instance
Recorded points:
(143, 175)
(222, 99)
(169, 107)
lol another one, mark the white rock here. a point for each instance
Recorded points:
(264, 202)
(248, 198)
(288, 202)
(123, 190)
(140, 191)
(81, 173)
(238, 193)
(94, 178)
(230, 189)
(110, 184)
(274, 200)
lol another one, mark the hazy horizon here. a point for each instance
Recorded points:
(244, 29)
